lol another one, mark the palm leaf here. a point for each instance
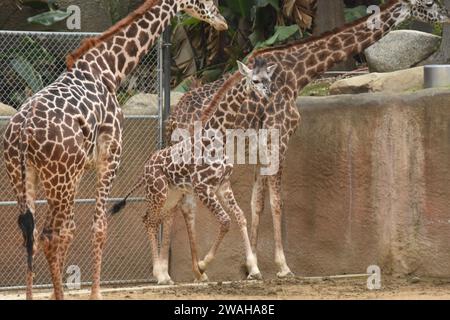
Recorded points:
(300, 11)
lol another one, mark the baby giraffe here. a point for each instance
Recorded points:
(169, 176)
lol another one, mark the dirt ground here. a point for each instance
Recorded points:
(293, 289)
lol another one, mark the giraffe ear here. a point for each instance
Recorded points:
(243, 69)
(271, 70)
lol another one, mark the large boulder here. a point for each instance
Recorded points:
(397, 81)
(6, 110)
(147, 104)
(401, 49)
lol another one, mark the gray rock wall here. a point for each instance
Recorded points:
(366, 183)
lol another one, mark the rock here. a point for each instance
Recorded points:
(6, 110)
(415, 280)
(401, 49)
(147, 104)
(397, 81)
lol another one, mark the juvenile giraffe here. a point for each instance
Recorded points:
(298, 63)
(77, 121)
(168, 178)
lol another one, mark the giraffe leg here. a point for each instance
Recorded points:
(152, 227)
(26, 196)
(59, 226)
(257, 204)
(227, 197)
(107, 165)
(156, 196)
(187, 207)
(208, 197)
(274, 183)
(66, 237)
(50, 240)
(68, 228)
(165, 246)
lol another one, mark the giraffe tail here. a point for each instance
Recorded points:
(26, 219)
(120, 205)
(27, 224)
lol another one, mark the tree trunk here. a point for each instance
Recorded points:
(442, 56)
(330, 15)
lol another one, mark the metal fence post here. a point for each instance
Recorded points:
(166, 77)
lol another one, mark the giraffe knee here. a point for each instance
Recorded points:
(68, 230)
(276, 203)
(48, 240)
(100, 226)
(242, 222)
(225, 224)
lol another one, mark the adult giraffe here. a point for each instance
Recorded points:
(77, 121)
(298, 63)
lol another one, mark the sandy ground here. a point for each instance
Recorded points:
(293, 289)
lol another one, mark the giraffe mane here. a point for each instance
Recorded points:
(89, 43)
(324, 35)
(220, 94)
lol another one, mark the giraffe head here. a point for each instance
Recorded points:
(430, 11)
(205, 10)
(259, 78)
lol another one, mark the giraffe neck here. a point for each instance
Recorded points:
(116, 57)
(300, 63)
(221, 113)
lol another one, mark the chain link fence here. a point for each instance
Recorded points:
(28, 62)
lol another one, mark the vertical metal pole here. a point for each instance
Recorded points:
(160, 94)
(166, 52)
(164, 95)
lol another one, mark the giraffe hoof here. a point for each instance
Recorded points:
(166, 282)
(256, 276)
(96, 296)
(285, 275)
(203, 278)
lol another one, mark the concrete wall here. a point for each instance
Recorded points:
(366, 183)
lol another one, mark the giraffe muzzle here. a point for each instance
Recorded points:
(220, 24)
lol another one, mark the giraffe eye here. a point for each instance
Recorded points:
(257, 81)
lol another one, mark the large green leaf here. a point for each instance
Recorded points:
(26, 71)
(49, 18)
(282, 33)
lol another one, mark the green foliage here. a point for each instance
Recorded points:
(316, 90)
(352, 14)
(49, 18)
(282, 33)
(25, 70)
(438, 29)
(253, 24)
(22, 77)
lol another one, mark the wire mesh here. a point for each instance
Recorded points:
(29, 61)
